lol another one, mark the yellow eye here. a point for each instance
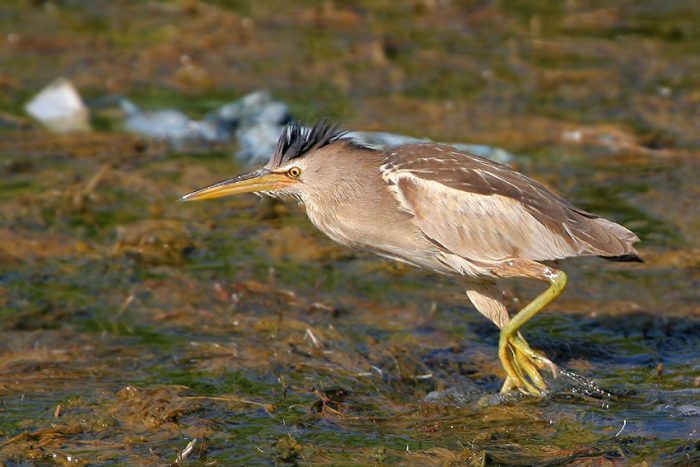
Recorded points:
(294, 172)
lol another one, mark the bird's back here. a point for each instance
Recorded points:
(484, 211)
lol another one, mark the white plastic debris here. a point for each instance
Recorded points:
(59, 108)
(574, 136)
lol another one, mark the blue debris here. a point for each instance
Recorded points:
(256, 121)
(382, 140)
(173, 126)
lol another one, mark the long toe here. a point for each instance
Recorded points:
(537, 358)
(521, 372)
(532, 372)
(522, 366)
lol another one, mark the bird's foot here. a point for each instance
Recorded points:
(523, 365)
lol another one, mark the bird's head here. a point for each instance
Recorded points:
(299, 165)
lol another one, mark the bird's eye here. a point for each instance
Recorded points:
(294, 172)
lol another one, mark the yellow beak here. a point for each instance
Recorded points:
(260, 180)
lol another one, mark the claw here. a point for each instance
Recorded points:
(508, 385)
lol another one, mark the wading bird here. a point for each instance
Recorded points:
(438, 208)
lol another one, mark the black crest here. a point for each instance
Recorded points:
(297, 140)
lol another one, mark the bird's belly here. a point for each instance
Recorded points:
(399, 240)
(381, 236)
(437, 261)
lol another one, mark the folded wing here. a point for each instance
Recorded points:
(485, 211)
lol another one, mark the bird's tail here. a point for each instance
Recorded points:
(618, 242)
(628, 258)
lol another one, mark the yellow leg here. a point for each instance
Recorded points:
(522, 364)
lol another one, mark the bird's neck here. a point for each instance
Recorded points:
(347, 178)
(355, 206)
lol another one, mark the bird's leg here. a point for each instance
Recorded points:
(488, 299)
(522, 364)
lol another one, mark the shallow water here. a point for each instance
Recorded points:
(132, 325)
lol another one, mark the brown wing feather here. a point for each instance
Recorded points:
(489, 209)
